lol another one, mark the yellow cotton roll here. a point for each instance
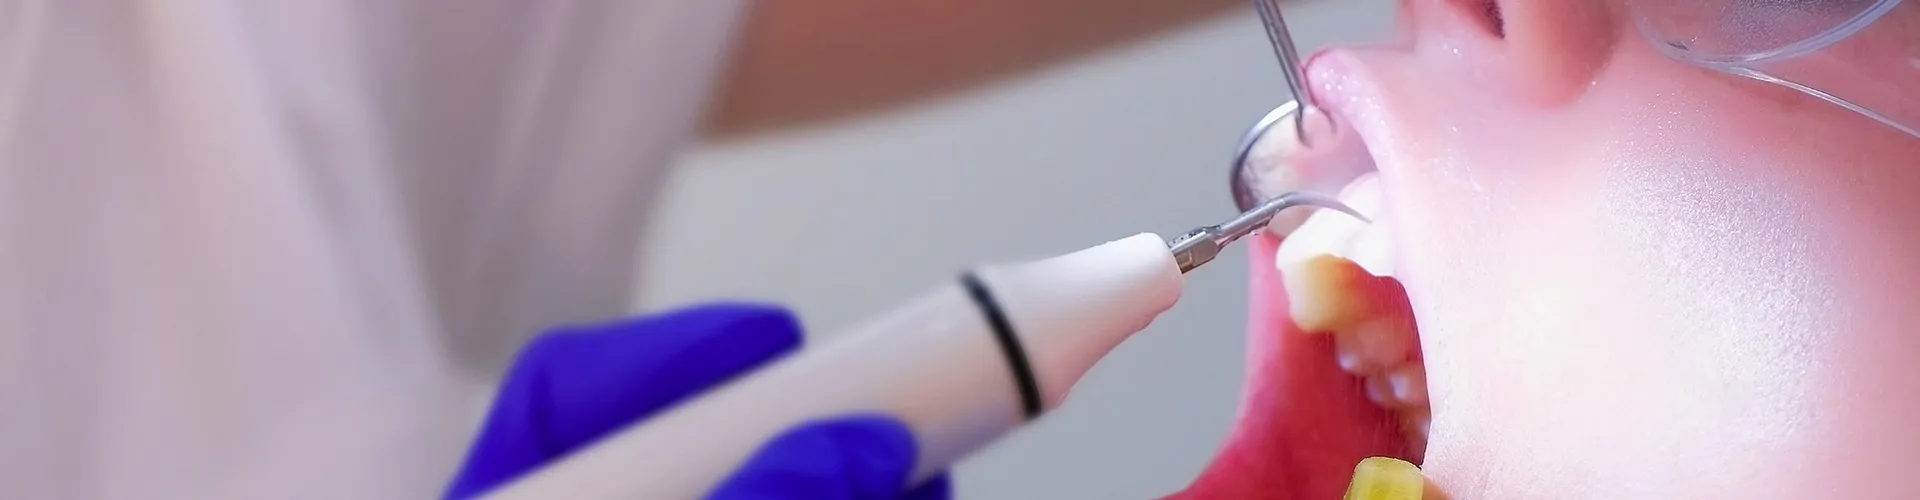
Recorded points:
(1382, 478)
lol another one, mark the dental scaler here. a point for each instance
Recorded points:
(962, 366)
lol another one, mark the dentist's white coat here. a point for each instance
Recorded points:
(273, 249)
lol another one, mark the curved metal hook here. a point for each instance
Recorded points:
(1199, 246)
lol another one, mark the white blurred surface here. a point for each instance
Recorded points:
(841, 222)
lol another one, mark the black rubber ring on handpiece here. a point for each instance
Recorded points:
(1009, 343)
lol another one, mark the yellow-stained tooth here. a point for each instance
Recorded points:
(1324, 293)
(1382, 478)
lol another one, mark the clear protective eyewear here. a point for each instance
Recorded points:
(1862, 55)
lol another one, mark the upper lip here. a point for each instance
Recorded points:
(1337, 75)
(1345, 83)
(1333, 79)
(1313, 96)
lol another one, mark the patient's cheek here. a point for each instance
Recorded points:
(1703, 286)
(1677, 268)
(1873, 230)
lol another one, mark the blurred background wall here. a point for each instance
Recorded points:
(841, 221)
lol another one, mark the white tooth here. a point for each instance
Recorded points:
(1328, 232)
(1409, 382)
(1381, 392)
(1349, 361)
(1371, 247)
(1372, 251)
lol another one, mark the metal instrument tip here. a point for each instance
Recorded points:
(1280, 203)
(1199, 246)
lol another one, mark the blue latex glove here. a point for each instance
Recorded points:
(573, 385)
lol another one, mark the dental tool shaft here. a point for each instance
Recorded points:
(1287, 53)
(961, 366)
(1283, 47)
(1201, 245)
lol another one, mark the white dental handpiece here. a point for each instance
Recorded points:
(961, 366)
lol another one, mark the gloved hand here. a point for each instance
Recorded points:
(574, 385)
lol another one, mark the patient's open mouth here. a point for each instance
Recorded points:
(1339, 282)
(1339, 273)
(1335, 371)
(1333, 366)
